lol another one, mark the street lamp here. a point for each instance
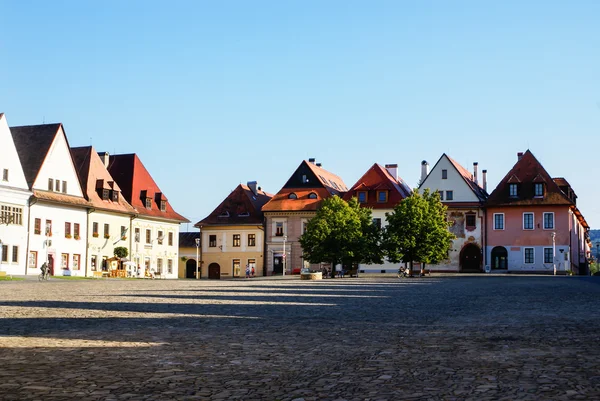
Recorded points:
(197, 256)
(554, 251)
(284, 258)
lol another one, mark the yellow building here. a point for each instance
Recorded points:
(232, 236)
(189, 254)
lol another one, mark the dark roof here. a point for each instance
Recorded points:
(378, 178)
(188, 239)
(241, 207)
(32, 143)
(136, 184)
(527, 171)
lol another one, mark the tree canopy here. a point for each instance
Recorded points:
(121, 252)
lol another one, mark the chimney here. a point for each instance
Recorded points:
(318, 164)
(424, 170)
(519, 156)
(104, 156)
(484, 178)
(252, 185)
(393, 170)
(475, 172)
(311, 160)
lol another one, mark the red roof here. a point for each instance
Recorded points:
(137, 185)
(378, 178)
(241, 207)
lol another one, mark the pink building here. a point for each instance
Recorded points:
(534, 224)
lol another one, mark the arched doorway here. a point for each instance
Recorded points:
(499, 258)
(470, 259)
(214, 271)
(51, 264)
(190, 268)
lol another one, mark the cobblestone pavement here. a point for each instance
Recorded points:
(450, 338)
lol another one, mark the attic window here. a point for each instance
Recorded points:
(312, 195)
(148, 203)
(444, 174)
(163, 206)
(292, 196)
(115, 196)
(538, 188)
(245, 214)
(105, 194)
(382, 196)
(304, 179)
(513, 190)
(224, 214)
(362, 196)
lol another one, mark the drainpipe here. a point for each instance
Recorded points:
(32, 201)
(485, 231)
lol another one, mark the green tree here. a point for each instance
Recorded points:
(121, 252)
(417, 230)
(340, 232)
(367, 247)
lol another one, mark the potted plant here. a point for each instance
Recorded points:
(68, 236)
(123, 238)
(95, 235)
(77, 236)
(107, 236)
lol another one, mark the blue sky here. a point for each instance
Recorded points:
(213, 94)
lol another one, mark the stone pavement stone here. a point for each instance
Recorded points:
(367, 338)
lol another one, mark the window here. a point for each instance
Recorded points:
(50, 184)
(148, 236)
(11, 215)
(292, 196)
(382, 196)
(106, 230)
(549, 221)
(548, 255)
(312, 195)
(236, 267)
(137, 234)
(513, 190)
(236, 240)
(37, 226)
(93, 262)
(441, 193)
(377, 222)
(148, 203)
(252, 264)
(304, 179)
(470, 220)
(95, 229)
(67, 230)
(115, 196)
(5, 174)
(76, 230)
(64, 187)
(212, 241)
(279, 228)
(170, 266)
(498, 221)
(48, 228)
(529, 256)
(160, 238)
(251, 239)
(527, 221)
(15, 254)
(32, 263)
(64, 258)
(304, 226)
(76, 259)
(123, 233)
(362, 197)
(163, 206)
(449, 195)
(444, 174)
(538, 189)
(4, 253)
(57, 185)
(159, 266)
(105, 194)
(170, 239)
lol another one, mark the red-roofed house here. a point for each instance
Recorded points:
(288, 212)
(461, 191)
(155, 229)
(534, 223)
(381, 190)
(233, 234)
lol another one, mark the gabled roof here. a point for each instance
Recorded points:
(137, 184)
(306, 180)
(241, 207)
(32, 143)
(378, 178)
(525, 171)
(468, 177)
(92, 172)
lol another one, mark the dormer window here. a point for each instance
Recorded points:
(115, 196)
(163, 206)
(148, 203)
(382, 196)
(224, 214)
(513, 190)
(312, 195)
(538, 189)
(362, 196)
(245, 214)
(105, 193)
(293, 196)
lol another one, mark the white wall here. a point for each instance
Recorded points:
(153, 251)
(455, 182)
(100, 247)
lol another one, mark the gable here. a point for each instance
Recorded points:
(10, 159)
(455, 181)
(240, 207)
(377, 179)
(32, 143)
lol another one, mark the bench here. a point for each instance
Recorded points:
(97, 274)
(3, 274)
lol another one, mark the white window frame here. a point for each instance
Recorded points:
(553, 256)
(535, 187)
(553, 221)
(532, 221)
(283, 226)
(525, 258)
(503, 221)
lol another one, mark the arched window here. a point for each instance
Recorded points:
(292, 196)
(312, 195)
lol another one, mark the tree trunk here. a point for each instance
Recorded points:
(410, 273)
(332, 269)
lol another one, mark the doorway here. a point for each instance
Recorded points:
(499, 258)
(278, 264)
(51, 264)
(190, 269)
(214, 271)
(470, 259)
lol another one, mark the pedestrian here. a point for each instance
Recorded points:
(252, 272)
(247, 271)
(338, 270)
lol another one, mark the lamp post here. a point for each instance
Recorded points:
(554, 251)
(284, 256)
(197, 256)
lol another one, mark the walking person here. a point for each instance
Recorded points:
(247, 271)
(252, 271)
